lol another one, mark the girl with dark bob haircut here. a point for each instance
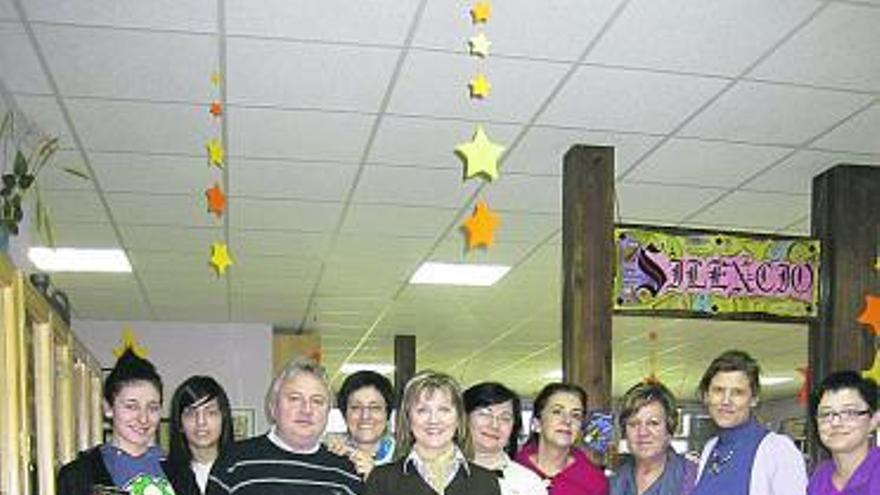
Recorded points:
(200, 428)
(491, 394)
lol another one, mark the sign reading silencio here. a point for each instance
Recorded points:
(715, 273)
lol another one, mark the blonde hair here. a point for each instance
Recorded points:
(430, 382)
(294, 367)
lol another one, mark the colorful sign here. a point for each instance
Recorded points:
(715, 273)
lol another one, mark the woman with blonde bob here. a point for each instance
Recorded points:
(648, 420)
(433, 445)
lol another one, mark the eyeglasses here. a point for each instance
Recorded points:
(845, 416)
(485, 416)
(359, 410)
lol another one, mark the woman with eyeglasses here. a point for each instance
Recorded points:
(559, 411)
(845, 409)
(495, 419)
(366, 400)
(648, 419)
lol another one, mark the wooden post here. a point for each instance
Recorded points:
(404, 362)
(846, 218)
(587, 268)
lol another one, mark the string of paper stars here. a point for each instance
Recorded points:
(214, 196)
(480, 155)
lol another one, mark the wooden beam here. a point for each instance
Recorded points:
(404, 362)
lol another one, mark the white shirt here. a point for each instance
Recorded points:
(201, 470)
(517, 479)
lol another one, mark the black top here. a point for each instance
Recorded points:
(391, 479)
(87, 474)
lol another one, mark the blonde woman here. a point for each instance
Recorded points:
(433, 445)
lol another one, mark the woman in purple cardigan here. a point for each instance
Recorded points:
(845, 409)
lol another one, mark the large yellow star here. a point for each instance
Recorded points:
(220, 258)
(480, 227)
(871, 314)
(481, 11)
(480, 86)
(874, 371)
(129, 341)
(215, 153)
(479, 45)
(480, 156)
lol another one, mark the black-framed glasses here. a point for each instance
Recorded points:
(846, 415)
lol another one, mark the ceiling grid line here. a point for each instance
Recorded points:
(68, 120)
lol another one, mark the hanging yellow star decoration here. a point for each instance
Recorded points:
(129, 341)
(215, 153)
(874, 371)
(480, 86)
(480, 227)
(215, 78)
(479, 45)
(220, 258)
(480, 12)
(871, 314)
(877, 264)
(480, 156)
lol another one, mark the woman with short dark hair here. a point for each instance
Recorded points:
(845, 411)
(551, 453)
(648, 419)
(745, 458)
(200, 428)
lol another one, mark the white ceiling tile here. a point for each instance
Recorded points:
(95, 281)
(379, 247)
(418, 141)
(857, 135)
(337, 20)
(134, 172)
(766, 211)
(301, 135)
(248, 213)
(56, 174)
(74, 206)
(85, 235)
(17, 52)
(518, 87)
(156, 209)
(255, 242)
(558, 30)
(170, 238)
(627, 100)
(192, 15)
(453, 249)
(525, 193)
(325, 181)
(418, 186)
(142, 127)
(836, 49)
(43, 113)
(109, 305)
(706, 37)
(141, 66)
(788, 115)
(800, 227)
(162, 264)
(7, 10)
(260, 73)
(394, 220)
(795, 174)
(703, 163)
(292, 267)
(543, 149)
(642, 203)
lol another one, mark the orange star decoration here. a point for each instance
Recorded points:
(220, 258)
(479, 45)
(480, 156)
(480, 86)
(215, 153)
(480, 12)
(216, 200)
(129, 341)
(874, 371)
(216, 109)
(871, 314)
(803, 395)
(480, 227)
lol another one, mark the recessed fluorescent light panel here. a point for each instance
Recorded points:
(432, 273)
(381, 368)
(769, 381)
(79, 260)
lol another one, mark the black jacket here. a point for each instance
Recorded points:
(87, 472)
(392, 479)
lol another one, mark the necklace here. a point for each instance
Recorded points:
(717, 461)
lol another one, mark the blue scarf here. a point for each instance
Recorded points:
(728, 469)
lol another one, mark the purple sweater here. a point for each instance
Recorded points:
(865, 481)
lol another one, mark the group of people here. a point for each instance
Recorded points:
(452, 442)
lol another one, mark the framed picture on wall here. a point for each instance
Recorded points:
(243, 422)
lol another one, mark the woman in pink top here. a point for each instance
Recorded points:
(550, 452)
